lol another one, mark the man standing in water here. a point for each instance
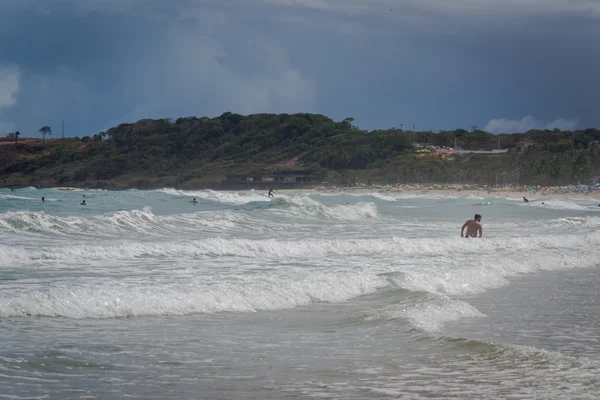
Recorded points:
(473, 227)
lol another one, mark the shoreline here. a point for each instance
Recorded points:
(390, 191)
(515, 194)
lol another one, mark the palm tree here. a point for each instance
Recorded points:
(45, 130)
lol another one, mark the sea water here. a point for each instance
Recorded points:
(145, 294)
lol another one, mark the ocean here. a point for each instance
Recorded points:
(144, 294)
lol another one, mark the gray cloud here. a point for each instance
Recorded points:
(46, 94)
(469, 8)
(527, 123)
(435, 63)
(491, 8)
(9, 86)
(195, 74)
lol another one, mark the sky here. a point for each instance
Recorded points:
(503, 66)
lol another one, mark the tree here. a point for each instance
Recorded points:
(45, 130)
(348, 122)
(13, 135)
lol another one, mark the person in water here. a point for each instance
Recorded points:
(43, 200)
(271, 192)
(473, 227)
(194, 201)
(83, 203)
(525, 200)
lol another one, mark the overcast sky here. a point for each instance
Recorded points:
(506, 66)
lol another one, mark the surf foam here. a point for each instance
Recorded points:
(237, 295)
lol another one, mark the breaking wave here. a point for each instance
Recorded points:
(439, 267)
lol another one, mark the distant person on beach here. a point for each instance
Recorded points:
(43, 200)
(473, 227)
(83, 203)
(525, 200)
(271, 192)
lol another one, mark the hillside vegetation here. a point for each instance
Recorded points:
(201, 152)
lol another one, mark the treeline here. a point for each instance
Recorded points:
(204, 150)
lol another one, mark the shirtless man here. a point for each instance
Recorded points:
(473, 227)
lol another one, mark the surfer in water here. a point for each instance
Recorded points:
(473, 227)
(194, 201)
(43, 199)
(525, 200)
(271, 193)
(83, 203)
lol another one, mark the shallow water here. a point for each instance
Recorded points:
(143, 294)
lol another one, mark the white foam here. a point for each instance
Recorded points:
(231, 198)
(316, 270)
(9, 196)
(556, 205)
(170, 191)
(121, 222)
(245, 294)
(427, 196)
(432, 317)
(307, 207)
(145, 222)
(302, 205)
(303, 201)
(376, 195)
(473, 197)
(578, 221)
(427, 313)
(515, 199)
(118, 221)
(482, 275)
(448, 248)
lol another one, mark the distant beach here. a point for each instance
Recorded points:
(455, 192)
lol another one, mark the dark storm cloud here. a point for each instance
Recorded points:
(436, 64)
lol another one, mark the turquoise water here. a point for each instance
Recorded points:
(145, 294)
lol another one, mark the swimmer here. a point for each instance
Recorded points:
(473, 227)
(83, 203)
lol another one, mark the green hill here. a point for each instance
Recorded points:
(204, 152)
